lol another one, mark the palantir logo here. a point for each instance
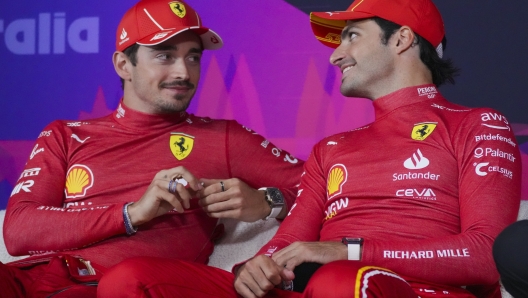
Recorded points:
(48, 34)
(479, 152)
(416, 162)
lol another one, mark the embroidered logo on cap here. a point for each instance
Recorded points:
(123, 34)
(124, 37)
(178, 8)
(160, 35)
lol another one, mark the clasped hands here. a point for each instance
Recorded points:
(262, 273)
(174, 188)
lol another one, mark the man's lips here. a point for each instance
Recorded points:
(178, 86)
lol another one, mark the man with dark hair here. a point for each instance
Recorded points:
(406, 206)
(96, 192)
(418, 217)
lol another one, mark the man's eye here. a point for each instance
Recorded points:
(352, 35)
(163, 56)
(195, 58)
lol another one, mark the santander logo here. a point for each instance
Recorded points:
(123, 34)
(416, 162)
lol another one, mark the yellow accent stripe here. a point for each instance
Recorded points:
(336, 24)
(326, 40)
(356, 5)
(360, 275)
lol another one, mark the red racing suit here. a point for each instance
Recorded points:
(428, 186)
(71, 194)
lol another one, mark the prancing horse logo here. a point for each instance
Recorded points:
(422, 130)
(178, 9)
(181, 145)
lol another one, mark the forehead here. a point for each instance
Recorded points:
(364, 26)
(360, 24)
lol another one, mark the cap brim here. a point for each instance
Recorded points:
(210, 39)
(327, 26)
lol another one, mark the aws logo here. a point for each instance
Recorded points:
(495, 117)
(78, 180)
(337, 176)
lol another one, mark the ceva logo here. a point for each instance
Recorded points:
(48, 34)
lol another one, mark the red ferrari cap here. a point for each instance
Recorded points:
(152, 22)
(421, 16)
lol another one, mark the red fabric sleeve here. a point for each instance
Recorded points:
(35, 210)
(259, 163)
(304, 220)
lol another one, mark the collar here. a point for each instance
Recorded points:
(141, 121)
(403, 97)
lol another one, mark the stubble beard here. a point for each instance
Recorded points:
(180, 103)
(351, 89)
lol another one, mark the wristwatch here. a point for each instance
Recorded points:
(275, 200)
(355, 246)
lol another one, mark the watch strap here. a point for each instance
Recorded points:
(354, 246)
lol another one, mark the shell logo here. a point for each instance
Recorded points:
(337, 176)
(78, 180)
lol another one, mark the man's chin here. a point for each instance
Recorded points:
(179, 105)
(353, 92)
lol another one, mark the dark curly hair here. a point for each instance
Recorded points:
(442, 70)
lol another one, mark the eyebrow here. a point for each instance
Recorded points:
(348, 28)
(345, 31)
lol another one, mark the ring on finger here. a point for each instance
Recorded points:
(222, 185)
(172, 186)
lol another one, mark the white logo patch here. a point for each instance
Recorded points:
(416, 162)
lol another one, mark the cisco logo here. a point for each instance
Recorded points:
(50, 34)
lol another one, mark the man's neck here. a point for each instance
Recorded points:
(406, 79)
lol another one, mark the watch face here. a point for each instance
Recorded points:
(347, 240)
(275, 196)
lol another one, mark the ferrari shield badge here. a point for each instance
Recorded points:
(422, 130)
(181, 145)
(178, 8)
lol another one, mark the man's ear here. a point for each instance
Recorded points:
(122, 65)
(404, 39)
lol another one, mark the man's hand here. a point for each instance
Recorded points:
(259, 275)
(157, 200)
(238, 200)
(318, 252)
